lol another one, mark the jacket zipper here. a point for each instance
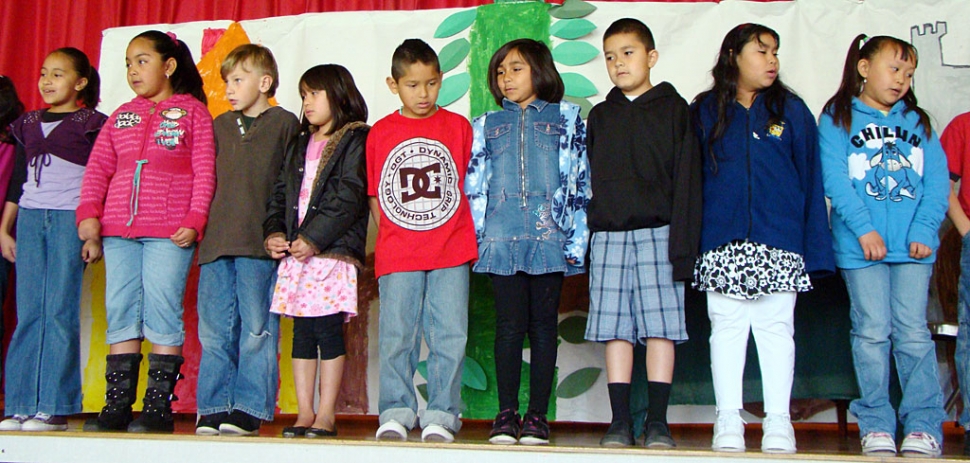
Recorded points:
(747, 122)
(141, 155)
(522, 160)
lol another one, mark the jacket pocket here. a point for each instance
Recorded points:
(546, 135)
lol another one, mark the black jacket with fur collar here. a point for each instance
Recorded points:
(336, 219)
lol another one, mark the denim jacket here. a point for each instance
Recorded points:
(510, 149)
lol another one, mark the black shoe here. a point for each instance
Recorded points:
(505, 428)
(240, 424)
(620, 434)
(208, 425)
(156, 413)
(535, 429)
(313, 433)
(294, 431)
(966, 444)
(658, 436)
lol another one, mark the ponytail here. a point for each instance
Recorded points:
(91, 93)
(186, 78)
(840, 105)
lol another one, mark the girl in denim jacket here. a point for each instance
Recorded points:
(527, 183)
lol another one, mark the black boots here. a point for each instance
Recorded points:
(122, 376)
(156, 414)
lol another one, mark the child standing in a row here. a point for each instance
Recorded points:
(645, 218)
(765, 228)
(886, 174)
(416, 162)
(528, 200)
(317, 224)
(147, 190)
(240, 370)
(43, 371)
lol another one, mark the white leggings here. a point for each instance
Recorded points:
(772, 319)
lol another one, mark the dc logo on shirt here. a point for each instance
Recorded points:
(419, 185)
(126, 120)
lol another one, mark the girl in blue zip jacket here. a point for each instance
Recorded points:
(765, 228)
(886, 174)
(528, 185)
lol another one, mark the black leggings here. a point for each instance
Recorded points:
(323, 336)
(526, 304)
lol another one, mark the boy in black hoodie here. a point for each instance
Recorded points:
(645, 217)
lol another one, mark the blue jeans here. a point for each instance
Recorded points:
(239, 369)
(433, 304)
(43, 369)
(888, 312)
(144, 289)
(962, 356)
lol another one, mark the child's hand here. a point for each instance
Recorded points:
(184, 237)
(919, 250)
(89, 229)
(302, 250)
(276, 245)
(91, 251)
(872, 246)
(9, 247)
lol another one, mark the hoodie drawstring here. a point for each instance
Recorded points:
(135, 190)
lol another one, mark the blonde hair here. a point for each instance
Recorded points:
(258, 57)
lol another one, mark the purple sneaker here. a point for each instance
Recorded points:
(505, 428)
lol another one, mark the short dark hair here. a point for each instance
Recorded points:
(631, 26)
(10, 108)
(257, 57)
(546, 82)
(346, 103)
(409, 52)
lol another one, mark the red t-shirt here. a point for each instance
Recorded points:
(416, 169)
(956, 143)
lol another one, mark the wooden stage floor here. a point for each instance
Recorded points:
(570, 442)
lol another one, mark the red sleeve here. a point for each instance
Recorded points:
(203, 171)
(954, 141)
(97, 174)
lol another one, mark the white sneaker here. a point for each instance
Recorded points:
(920, 444)
(437, 433)
(45, 422)
(779, 436)
(392, 430)
(728, 432)
(878, 444)
(14, 423)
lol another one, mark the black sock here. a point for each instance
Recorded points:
(659, 396)
(620, 402)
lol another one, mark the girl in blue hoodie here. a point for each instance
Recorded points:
(886, 174)
(764, 228)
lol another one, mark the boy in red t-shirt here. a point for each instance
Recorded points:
(416, 161)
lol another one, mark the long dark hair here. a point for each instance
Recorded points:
(10, 108)
(546, 81)
(840, 105)
(726, 74)
(91, 93)
(346, 103)
(186, 78)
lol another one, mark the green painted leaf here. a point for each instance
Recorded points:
(573, 329)
(578, 382)
(573, 53)
(453, 54)
(576, 85)
(584, 107)
(454, 87)
(571, 28)
(473, 375)
(456, 23)
(423, 369)
(423, 390)
(572, 9)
